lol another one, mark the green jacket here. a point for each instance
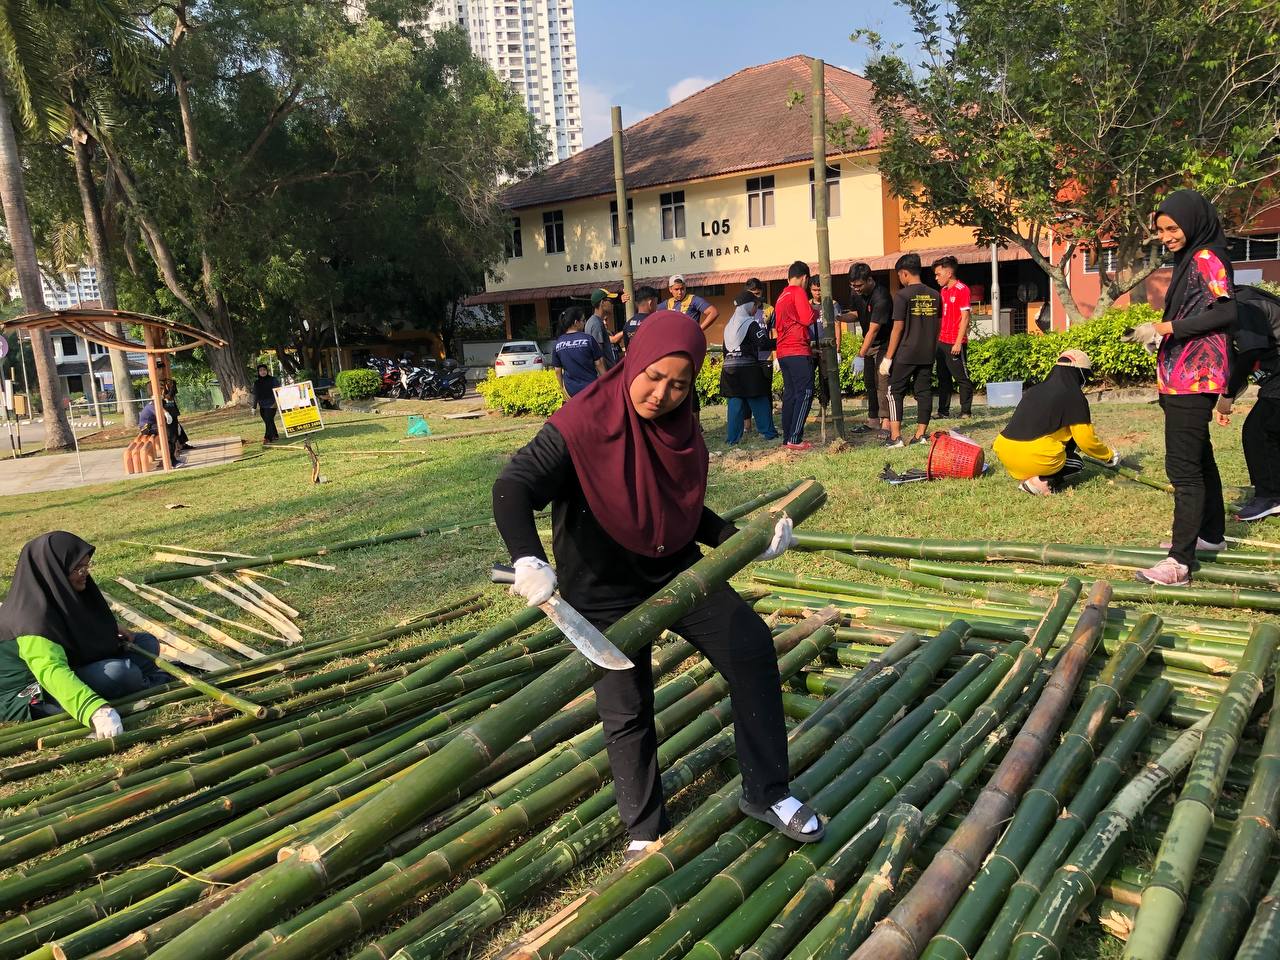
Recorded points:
(36, 660)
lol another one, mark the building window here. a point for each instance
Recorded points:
(613, 222)
(515, 243)
(1110, 260)
(70, 346)
(760, 202)
(672, 214)
(1262, 246)
(833, 191)
(96, 349)
(553, 230)
(75, 384)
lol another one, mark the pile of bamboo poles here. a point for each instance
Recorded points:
(999, 742)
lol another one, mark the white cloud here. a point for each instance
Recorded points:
(686, 87)
(596, 123)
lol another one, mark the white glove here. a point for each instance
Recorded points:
(1114, 461)
(782, 540)
(106, 723)
(535, 580)
(885, 366)
(859, 365)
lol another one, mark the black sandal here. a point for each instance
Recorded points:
(793, 828)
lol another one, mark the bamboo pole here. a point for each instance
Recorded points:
(1262, 939)
(620, 199)
(295, 880)
(268, 596)
(235, 597)
(247, 707)
(830, 338)
(193, 561)
(1165, 896)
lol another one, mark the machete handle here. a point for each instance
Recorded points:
(502, 573)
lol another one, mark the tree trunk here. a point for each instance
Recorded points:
(1056, 274)
(97, 233)
(57, 432)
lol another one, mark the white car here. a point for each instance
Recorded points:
(518, 356)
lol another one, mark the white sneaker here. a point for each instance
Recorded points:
(1167, 573)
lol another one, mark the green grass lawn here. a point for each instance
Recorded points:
(267, 502)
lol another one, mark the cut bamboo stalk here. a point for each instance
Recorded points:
(227, 554)
(210, 631)
(268, 596)
(210, 566)
(247, 707)
(1262, 940)
(149, 591)
(1227, 905)
(1165, 896)
(183, 649)
(269, 612)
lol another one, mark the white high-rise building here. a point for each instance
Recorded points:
(531, 45)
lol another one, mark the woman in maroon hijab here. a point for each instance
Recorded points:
(624, 467)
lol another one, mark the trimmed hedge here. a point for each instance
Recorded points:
(360, 384)
(535, 393)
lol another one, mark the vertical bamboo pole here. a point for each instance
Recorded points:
(153, 370)
(827, 345)
(624, 229)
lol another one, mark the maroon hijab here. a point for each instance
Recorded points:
(645, 480)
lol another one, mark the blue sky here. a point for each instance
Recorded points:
(646, 54)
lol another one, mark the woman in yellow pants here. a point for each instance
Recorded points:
(1051, 429)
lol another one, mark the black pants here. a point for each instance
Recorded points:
(1198, 510)
(268, 415)
(1073, 464)
(911, 378)
(797, 396)
(953, 367)
(877, 386)
(1261, 436)
(736, 641)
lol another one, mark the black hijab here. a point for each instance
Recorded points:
(43, 603)
(1199, 222)
(1048, 407)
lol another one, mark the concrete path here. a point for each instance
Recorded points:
(61, 471)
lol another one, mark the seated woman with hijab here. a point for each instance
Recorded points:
(1042, 445)
(624, 468)
(746, 377)
(60, 645)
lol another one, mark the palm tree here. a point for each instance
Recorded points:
(28, 29)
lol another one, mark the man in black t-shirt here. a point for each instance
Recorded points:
(908, 359)
(874, 307)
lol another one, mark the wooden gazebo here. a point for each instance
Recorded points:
(156, 331)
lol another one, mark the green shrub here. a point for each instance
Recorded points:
(358, 384)
(534, 393)
(708, 381)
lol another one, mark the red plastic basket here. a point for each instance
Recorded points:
(952, 456)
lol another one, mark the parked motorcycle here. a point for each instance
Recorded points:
(443, 379)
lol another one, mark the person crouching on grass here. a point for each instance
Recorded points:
(617, 543)
(1051, 428)
(1191, 374)
(908, 359)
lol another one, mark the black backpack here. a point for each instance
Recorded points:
(1257, 326)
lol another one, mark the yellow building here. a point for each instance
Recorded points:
(720, 189)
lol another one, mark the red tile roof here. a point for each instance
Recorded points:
(968, 254)
(743, 122)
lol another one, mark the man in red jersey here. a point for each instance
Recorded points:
(793, 318)
(952, 361)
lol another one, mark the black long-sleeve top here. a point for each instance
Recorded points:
(596, 574)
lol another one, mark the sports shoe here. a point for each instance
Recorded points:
(1257, 508)
(919, 442)
(637, 850)
(1036, 487)
(1167, 573)
(802, 445)
(895, 444)
(1202, 544)
(942, 415)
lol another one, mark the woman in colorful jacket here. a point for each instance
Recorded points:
(1192, 370)
(60, 645)
(1051, 429)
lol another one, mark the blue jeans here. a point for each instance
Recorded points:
(117, 677)
(760, 408)
(797, 396)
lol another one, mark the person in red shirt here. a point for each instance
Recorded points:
(952, 361)
(793, 317)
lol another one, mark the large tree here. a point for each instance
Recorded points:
(1070, 119)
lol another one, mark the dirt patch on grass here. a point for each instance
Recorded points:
(747, 461)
